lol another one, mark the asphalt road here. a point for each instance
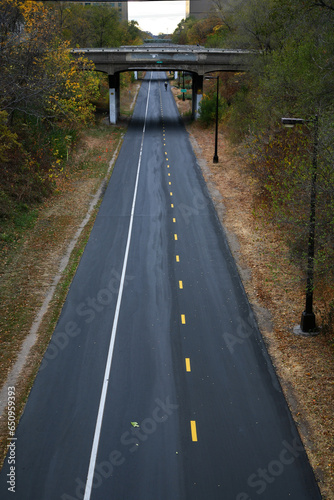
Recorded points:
(156, 384)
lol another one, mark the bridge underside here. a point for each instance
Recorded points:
(114, 94)
(192, 59)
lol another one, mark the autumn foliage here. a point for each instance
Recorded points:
(45, 98)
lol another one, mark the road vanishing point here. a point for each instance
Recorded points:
(156, 384)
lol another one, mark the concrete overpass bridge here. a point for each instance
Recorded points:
(162, 57)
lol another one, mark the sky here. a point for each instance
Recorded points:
(157, 17)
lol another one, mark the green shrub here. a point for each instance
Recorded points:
(208, 107)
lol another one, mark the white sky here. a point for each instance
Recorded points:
(157, 17)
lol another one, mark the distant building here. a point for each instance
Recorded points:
(122, 8)
(198, 8)
(202, 8)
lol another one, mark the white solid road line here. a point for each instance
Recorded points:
(92, 463)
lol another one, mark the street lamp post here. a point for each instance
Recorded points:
(215, 156)
(308, 323)
(183, 96)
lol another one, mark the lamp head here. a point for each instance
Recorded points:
(291, 122)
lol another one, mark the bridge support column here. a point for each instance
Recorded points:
(197, 88)
(114, 98)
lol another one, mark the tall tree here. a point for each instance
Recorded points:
(36, 63)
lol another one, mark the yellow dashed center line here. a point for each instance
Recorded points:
(193, 430)
(183, 317)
